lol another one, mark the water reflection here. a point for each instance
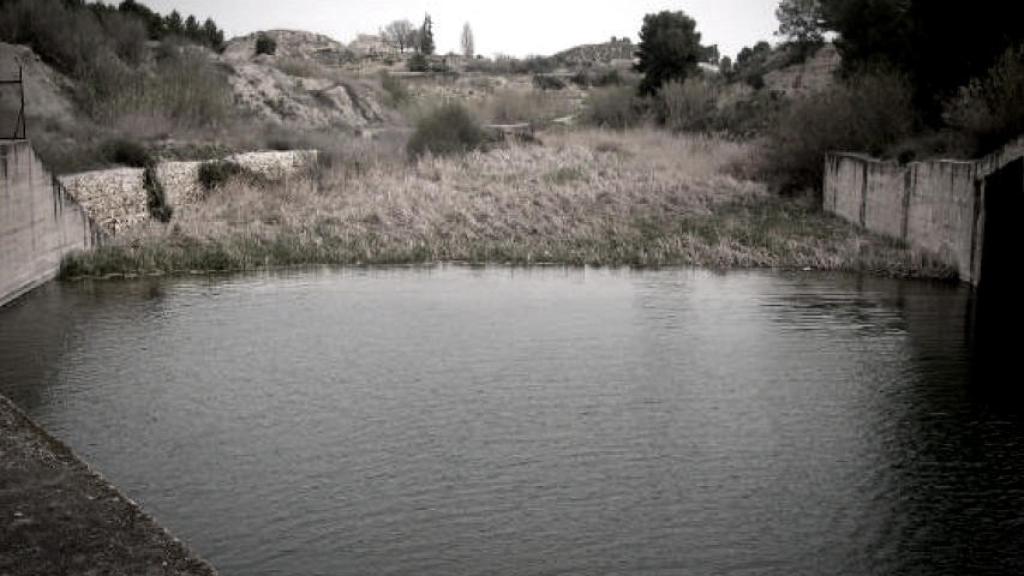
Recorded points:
(496, 421)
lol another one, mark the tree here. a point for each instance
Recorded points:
(711, 55)
(468, 46)
(940, 46)
(426, 37)
(174, 25)
(725, 67)
(801, 22)
(400, 34)
(751, 64)
(192, 29)
(212, 35)
(669, 50)
(265, 45)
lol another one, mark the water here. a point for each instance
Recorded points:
(496, 421)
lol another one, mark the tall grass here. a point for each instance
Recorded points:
(616, 107)
(688, 106)
(511, 106)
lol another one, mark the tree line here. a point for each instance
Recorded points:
(403, 35)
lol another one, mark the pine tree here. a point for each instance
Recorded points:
(427, 37)
(468, 45)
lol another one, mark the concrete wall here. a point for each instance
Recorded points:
(39, 222)
(934, 206)
(116, 199)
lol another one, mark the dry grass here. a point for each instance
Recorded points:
(641, 198)
(512, 106)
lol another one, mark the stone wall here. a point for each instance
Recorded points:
(117, 200)
(39, 222)
(933, 206)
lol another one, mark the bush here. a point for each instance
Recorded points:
(547, 82)
(127, 153)
(156, 198)
(216, 173)
(990, 110)
(395, 89)
(605, 78)
(129, 36)
(265, 45)
(418, 63)
(450, 129)
(748, 117)
(687, 106)
(616, 107)
(190, 89)
(869, 113)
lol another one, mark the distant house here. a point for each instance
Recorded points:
(372, 46)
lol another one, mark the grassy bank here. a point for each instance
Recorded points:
(639, 198)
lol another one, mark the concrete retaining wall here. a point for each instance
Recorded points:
(39, 222)
(116, 199)
(932, 206)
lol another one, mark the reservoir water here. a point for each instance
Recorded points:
(458, 421)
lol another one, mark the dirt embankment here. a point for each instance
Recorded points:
(57, 516)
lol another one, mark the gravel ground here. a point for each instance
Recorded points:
(59, 517)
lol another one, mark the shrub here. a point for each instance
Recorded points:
(605, 78)
(129, 36)
(188, 88)
(616, 107)
(990, 110)
(216, 173)
(127, 152)
(868, 113)
(547, 82)
(156, 198)
(397, 93)
(748, 117)
(580, 79)
(265, 45)
(418, 63)
(450, 129)
(687, 106)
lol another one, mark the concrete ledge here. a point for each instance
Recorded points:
(58, 516)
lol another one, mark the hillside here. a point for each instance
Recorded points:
(302, 85)
(293, 44)
(238, 95)
(608, 53)
(46, 89)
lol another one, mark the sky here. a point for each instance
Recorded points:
(515, 27)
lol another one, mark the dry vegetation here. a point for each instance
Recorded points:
(643, 198)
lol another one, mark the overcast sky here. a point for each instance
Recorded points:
(516, 27)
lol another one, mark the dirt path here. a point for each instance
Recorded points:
(58, 517)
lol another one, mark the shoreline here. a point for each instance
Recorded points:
(721, 242)
(61, 516)
(642, 199)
